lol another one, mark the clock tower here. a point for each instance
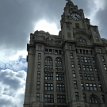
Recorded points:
(72, 20)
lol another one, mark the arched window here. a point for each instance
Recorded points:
(48, 64)
(58, 64)
(94, 99)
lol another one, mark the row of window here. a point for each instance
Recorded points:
(83, 51)
(53, 51)
(48, 64)
(49, 61)
(50, 87)
(85, 59)
(49, 98)
(91, 87)
(49, 76)
(89, 77)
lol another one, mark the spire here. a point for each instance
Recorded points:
(69, 2)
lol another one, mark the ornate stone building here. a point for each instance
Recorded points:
(69, 69)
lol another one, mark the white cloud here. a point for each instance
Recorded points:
(12, 84)
(47, 26)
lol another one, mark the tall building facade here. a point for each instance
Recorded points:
(69, 69)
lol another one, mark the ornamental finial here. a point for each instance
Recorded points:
(68, 0)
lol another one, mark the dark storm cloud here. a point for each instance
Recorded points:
(18, 16)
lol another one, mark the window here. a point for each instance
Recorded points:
(71, 55)
(46, 50)
(38, 86)
(82, 86)
(91, 86)
(56, 52)
(39, 56)
(48, 86)
(94, 87)
(100, 87)
(103, 59)
(75, 84)
(48, 64)
(72, 65)
(93, 99)
(84, 97)
(39, 65)
(58, 64)
(105, 67)
(77, 96)
(50, 50)
(103, 98)
(74, 75)
(61, 98)
(38, 96)
(60, 52)
(59, 76)
(49, 76)
(49, 98)
(60, 87)
(87, 86)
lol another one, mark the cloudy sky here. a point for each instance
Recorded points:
(19, 18)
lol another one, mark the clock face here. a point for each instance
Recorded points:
(75, 16)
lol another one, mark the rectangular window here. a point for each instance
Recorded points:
(61, 98)
(49, 98)
(46, 50)
(59, 76)
(77, 96)
(87, 86)
(49, 76)
(100, 87)
(50, 50)
(39, 56)
(60, 87)
(56, 52)
(75, 84)
(105, 67)
(82, 86)
(94, 87)
(38, 96)
(60, 52)
(103, 59)
(74, 75)
(48, 86)
(71, 55)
